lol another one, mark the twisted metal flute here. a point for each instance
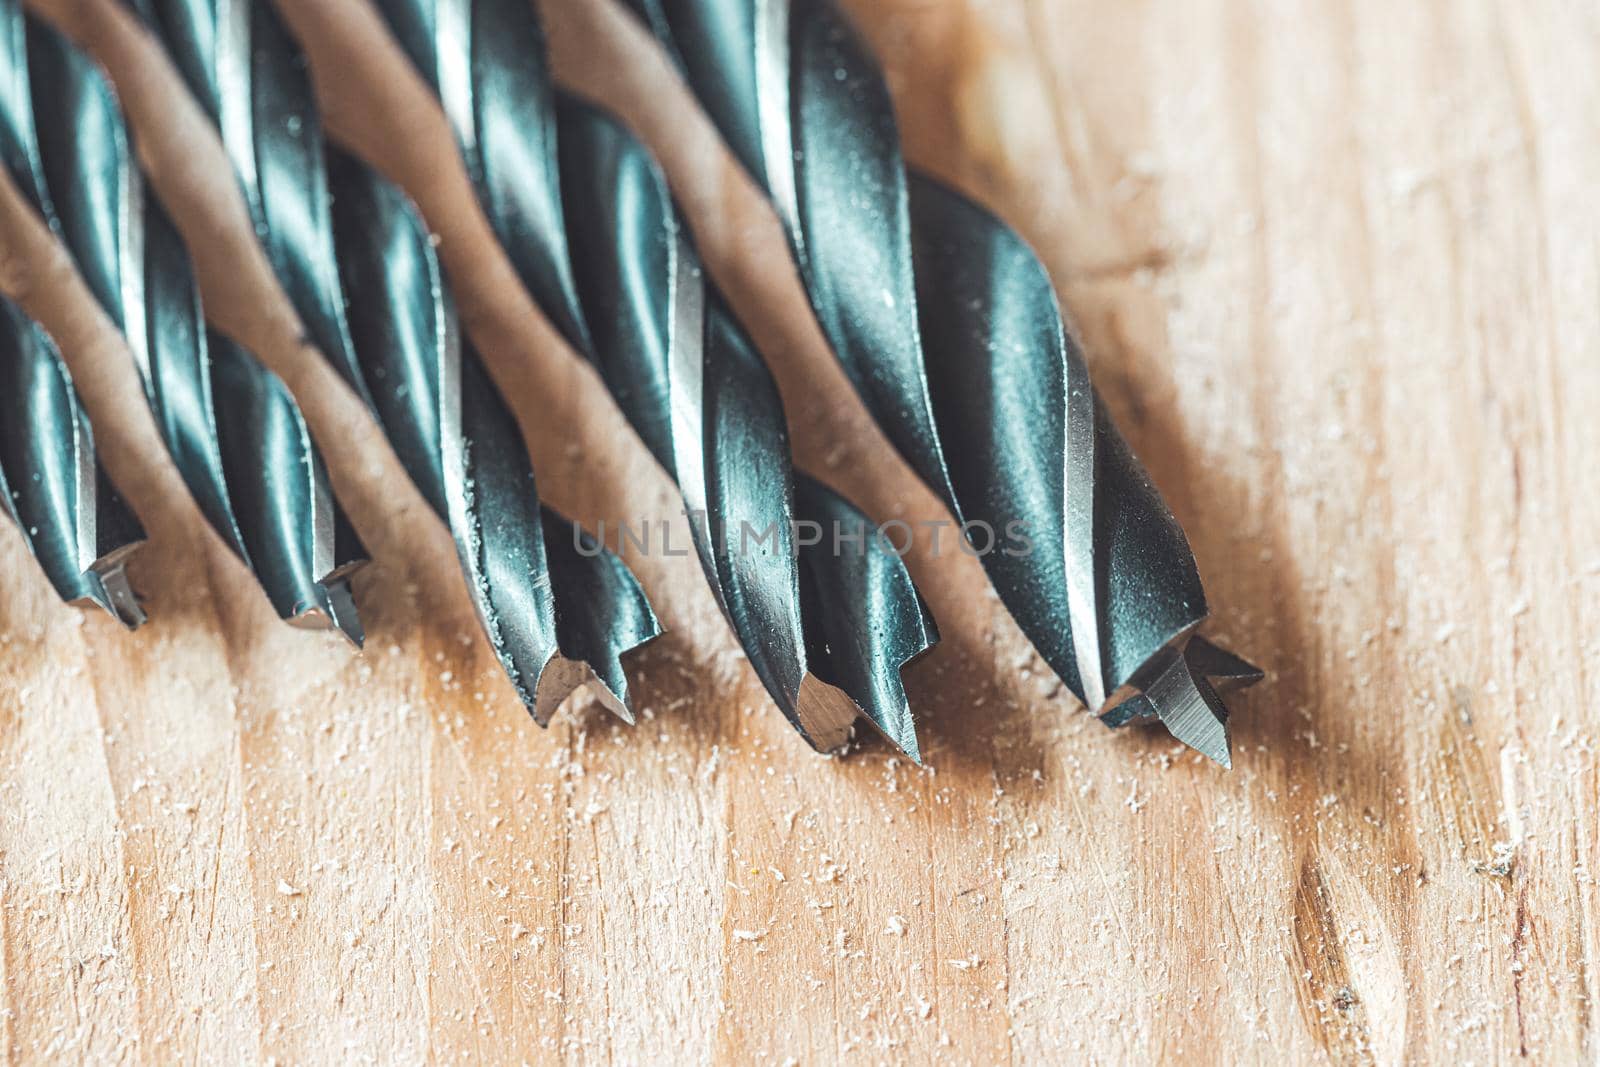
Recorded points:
(250, 78)
(486, 63)
(237, 437)
(949, 329)
(556, 617)
(829, 632)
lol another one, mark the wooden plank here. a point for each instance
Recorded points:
(1337, 268)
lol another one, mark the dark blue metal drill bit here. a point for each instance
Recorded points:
(828, 614)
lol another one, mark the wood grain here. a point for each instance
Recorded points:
(1338, 265)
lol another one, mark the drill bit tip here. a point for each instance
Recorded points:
(117, 595)
(1184, 696)
(1188, 707)
(562, 677)
(337, 613)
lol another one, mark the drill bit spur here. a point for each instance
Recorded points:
(948, 327)
(237, 437)
(827, 632)
(556, 616)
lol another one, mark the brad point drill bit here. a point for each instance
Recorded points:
(233, 430)
(53, 486)
(295, 536)
(1108, 592)
(559, 609)
(948, 328)
(828, 623)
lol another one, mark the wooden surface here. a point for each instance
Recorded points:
(1338, 264)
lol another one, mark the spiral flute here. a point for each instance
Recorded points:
(486, 61)
(230, 425)
(556, 616)
(51, 484)
(461, 445)
(829, 632)
(948, 327)
(252, 80)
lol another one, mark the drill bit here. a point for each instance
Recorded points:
(948, 327)
(230, 425)
(559, 609)
(294, 534)
(828, 616)
(52, 484)
(1110, 560)
(828, 632)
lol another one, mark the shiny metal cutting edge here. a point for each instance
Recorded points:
(949, 329)
(233, 430)
(559, 609)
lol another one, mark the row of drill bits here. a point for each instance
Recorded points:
(940, 315)
(948, 327)
(233, 431)
(588, 222)
(559, 610)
